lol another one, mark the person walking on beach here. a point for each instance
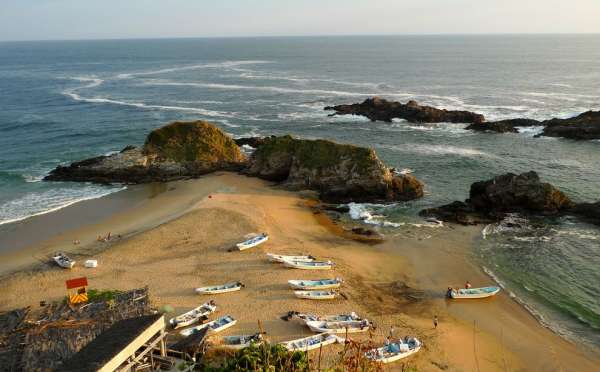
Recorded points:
(468, 285)
(435, 321)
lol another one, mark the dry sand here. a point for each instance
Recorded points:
(192, 250)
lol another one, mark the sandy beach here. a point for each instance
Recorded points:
(176, 237)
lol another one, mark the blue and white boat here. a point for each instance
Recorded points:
(316, 284)
(395, 351)
(311, 342)
(252, 242)
(473, 293)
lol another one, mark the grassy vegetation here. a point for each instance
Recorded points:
(197, 141)
(97, 295)
(318, 154)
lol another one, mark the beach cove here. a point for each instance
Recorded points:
(178, 239)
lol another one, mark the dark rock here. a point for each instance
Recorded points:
(491, 200)
(582, 127)
(254, 142)
(589, 212)
(339, 208)
(379, 109)
(504, 126)
(340, 173)
(176, 151)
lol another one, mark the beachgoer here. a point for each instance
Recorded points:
(449, 292)
(435, 321)
(108, 236)
(392, 330)
(468, 285)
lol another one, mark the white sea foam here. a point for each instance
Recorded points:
(437, 150)
(225, 64)
(273, 89)
(364, 212)
(531, 131)
(38, 203)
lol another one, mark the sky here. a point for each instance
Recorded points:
(114, 19)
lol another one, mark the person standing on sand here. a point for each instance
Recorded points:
(468, 285)
(435, 321)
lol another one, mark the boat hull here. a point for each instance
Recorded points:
(311, 295)
(475, 293)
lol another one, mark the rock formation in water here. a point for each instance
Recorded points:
(338, 172)
(589, 212)
(585, 126)
(176, 151)
(491, 200)
(190, 149)
(379, 109)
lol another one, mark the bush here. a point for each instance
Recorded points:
(272, 358)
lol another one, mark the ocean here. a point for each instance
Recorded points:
(67, 100)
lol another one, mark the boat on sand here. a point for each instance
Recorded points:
(311, 342)
(311, 265)
(193, 315)
(315, 284)
(316, 295)
(237, 342)
(223, 288)
(215, 326)
(395, 351)
(63, 260)
(355, 326)
(473, 293)
(325, 318)
(252, 242)
(279, 258)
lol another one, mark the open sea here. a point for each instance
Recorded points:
(67, 100)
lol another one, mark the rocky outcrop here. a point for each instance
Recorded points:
(338, 172)
(582, 127)
(176, 151)
(379, 109)
(254, 142)
(589, 212)
(585, 126)
(504, 126)
(491, 200)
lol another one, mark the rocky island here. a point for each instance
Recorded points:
(183, 150)
(491, 200)
(585, 126)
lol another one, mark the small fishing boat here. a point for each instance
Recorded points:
(193, 315)
(311, 342)
(63, 260)
(279, 258)
(237, 342)
(354, 326)
(472, 293)
(316, 295)
(326, 318)
(215, 326)
(315, 284)
(395, 351)
(252, 242)
(224, 288)
(309, 265)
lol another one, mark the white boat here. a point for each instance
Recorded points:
(309, 265)
(474, 292)
(63, 260)
(315, 284)
(311, 342)
(282, 258)
(193, 315)
(237, 342)
(327, 318)
(394, 351)
(316, 295)
(354, 326)
(215, 326)
(224, 288)
(253, 242)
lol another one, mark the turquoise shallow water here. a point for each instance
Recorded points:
(63, 101)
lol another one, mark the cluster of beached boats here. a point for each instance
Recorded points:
(328, 329)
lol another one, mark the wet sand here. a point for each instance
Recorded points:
(179, 240)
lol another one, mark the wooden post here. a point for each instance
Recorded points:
(163, 346)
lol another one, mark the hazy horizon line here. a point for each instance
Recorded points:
(308, 36)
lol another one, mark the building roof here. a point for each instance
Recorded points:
(109, 344)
